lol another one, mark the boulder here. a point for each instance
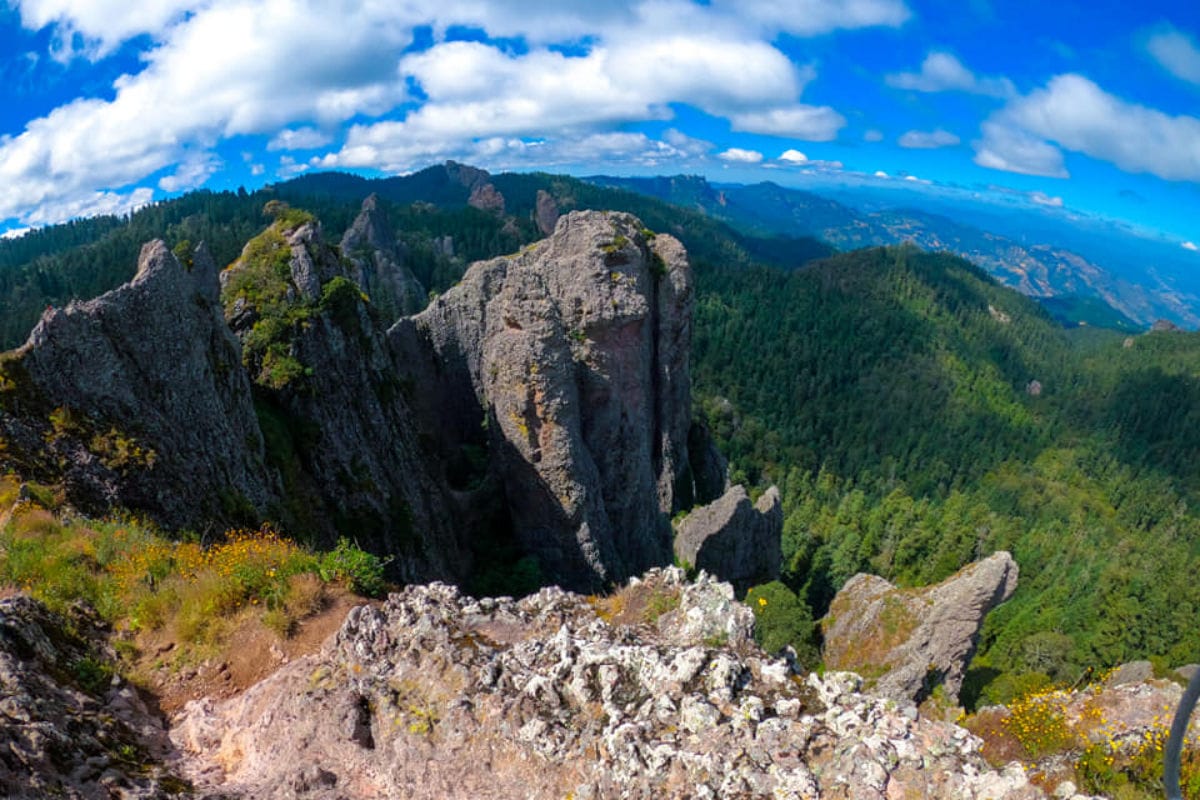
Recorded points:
(908, 641)
(733, 539)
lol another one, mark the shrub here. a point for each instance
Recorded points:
(361, 570)
(782, 619)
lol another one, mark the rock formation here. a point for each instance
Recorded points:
(734, 539)
(138, 398)
(345, 441)
(573, 354)
(546, 212)
(377, 264)
(437, 695)
(907, 641)
(70, 730)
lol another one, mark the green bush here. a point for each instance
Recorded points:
(782, 619)
(360, 569)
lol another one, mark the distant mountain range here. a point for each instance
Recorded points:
(1114, 274)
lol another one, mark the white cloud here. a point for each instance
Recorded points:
(793, 157)
(1075, 114)
(15, 233)
(1011, 149)
(1190, 246)
(299, 139)
(1177, 53)
(101, 24)
(880, 174)
(205, 76)
(873, 136)
(740, 156)
(809, 123)
(1043, 199)
(192, 172)
(928, 140)
(915, 179)
(942, 72)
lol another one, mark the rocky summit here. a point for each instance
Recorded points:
(656, 692)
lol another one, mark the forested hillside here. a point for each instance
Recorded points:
(915, 414)
(919, 416)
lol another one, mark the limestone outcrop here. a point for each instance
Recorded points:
(734, 539)
(908, 641)
(138, 398)
(378, 264)
(573, 355)
(657, 693)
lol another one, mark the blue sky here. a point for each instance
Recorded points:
(1089, 108)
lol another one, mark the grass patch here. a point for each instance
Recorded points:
(140, 581)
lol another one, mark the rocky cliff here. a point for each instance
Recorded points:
(573, 355)
(545, 401)
(342, 435)
(138, 398)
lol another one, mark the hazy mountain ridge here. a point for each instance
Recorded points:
(1037, 268)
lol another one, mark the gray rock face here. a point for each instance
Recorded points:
(546, 212)
(917, 638)
(437, 695)
(377, 264)
(734, 540)
(350, 456)
(574, 355)
(68, 732)
(141, 395)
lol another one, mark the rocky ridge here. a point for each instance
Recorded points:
(658, 692)
(377, 263)
(553, 406)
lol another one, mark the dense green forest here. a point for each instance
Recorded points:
(915, 414)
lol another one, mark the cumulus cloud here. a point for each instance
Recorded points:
(15, 233)
(1190, 246)
(943, 72)
(880, 174)
(928, 140)
(192, 172)
(793, 157)
(740, 156)
(298, 139)
(1073, 113)
(809, 123)
(297, 72)
(100, 25)
(1177, 53)
(1011, 149)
